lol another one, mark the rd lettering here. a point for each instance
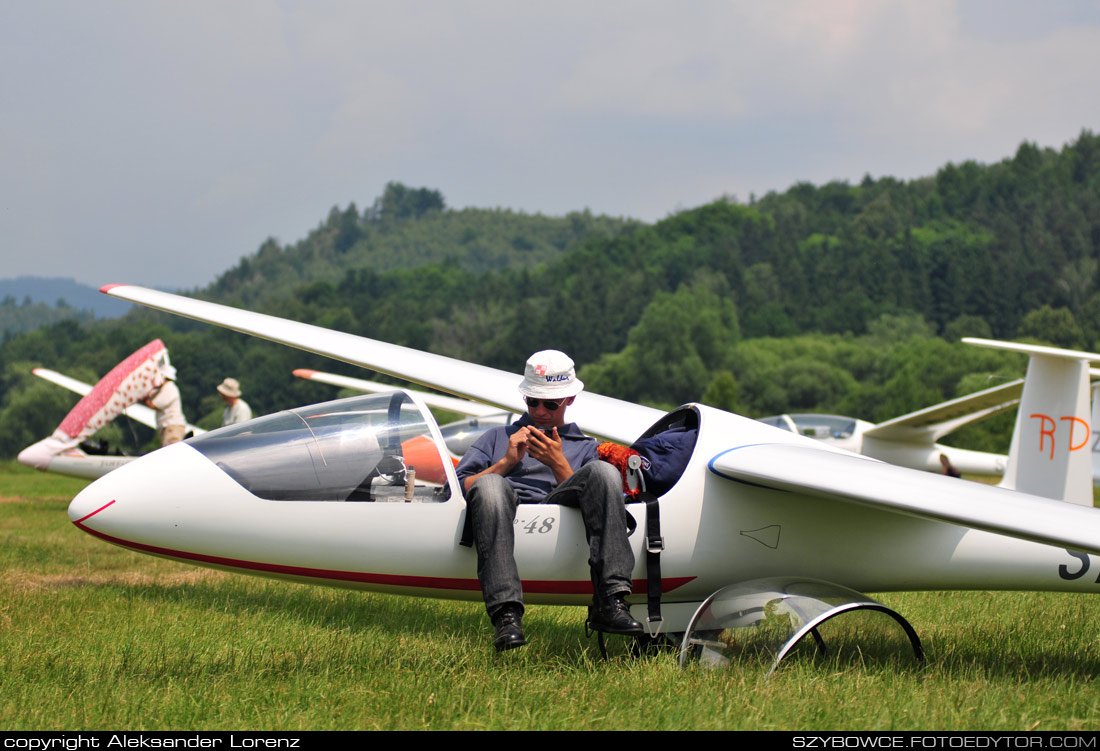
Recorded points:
(1047, 427)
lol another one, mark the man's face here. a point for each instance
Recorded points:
(543, 416)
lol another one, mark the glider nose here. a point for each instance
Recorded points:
(170, 500)
(136, 497)
(85, 506)
(92, 500)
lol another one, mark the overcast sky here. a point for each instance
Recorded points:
(157, 142)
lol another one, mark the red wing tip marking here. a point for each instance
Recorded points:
(106, 288)
(305, 373)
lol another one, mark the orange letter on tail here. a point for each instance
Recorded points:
(1072, 425)
(1044, 431)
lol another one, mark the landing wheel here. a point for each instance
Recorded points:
(768, 618)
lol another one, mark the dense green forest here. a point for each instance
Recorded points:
(406, 228)
(833, 298)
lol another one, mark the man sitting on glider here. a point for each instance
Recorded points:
(542, 459)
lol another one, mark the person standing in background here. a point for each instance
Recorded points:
(236, 408)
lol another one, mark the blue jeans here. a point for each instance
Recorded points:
(596, 489)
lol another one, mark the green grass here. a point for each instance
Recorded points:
(17, 481)
(96, 637)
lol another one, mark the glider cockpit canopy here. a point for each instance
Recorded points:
(376, 447)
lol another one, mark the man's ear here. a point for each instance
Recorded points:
(569, 400)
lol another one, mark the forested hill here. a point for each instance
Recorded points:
(25, 316)
(29, 302)
(834, 298)
(404, 228)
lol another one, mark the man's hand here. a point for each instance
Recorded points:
(547, 449)
(541, 447)
(518, 446)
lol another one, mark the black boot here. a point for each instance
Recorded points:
(612, 616)
(508, 626)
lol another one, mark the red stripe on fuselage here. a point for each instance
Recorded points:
(89, 516)
(534, 586)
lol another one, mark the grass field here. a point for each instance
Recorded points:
(96, 637)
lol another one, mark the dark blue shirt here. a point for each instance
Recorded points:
(531, 479)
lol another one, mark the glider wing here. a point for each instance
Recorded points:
(827, 474)
(600, 416)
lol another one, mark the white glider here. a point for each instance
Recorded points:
(318, 495)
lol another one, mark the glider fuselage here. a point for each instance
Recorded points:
(178, 503)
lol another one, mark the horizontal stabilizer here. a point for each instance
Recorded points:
(826, 474)
(932, 423)
(1034, 349)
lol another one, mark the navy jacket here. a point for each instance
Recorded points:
(531, 479)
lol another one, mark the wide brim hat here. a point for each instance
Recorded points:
(230, 387)
(550, 374)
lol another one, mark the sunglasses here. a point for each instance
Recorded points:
(550, 405)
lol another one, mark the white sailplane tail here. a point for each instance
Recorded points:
(1051, 446)
(1094, 438)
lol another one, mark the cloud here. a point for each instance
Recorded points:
(168, 140)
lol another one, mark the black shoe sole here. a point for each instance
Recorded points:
(511, 643)
(638, 630)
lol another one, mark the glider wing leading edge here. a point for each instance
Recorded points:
(600, 416)
(829, 474)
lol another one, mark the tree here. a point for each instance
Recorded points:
(1055, 326)
(965, 325)
(888, 329)
(671, 351)
(722, 392)
(400, 202)
(348, 230)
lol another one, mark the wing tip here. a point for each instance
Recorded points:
(106, 288)
(305, 373)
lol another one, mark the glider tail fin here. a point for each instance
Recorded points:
(1051, 452)
(1095, 451)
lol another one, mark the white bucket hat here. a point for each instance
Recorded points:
(550, 375)
(230, 387)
